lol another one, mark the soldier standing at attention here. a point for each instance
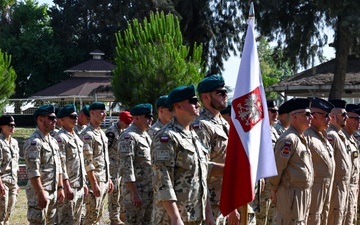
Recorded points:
(96, 160)
(283, 121)
(83, 119)
(135, 167)
(43, 168)
(180, 166)
(352, 125)
(113, 134)
(291, 188)
(9, 157)
(337, 138)
(323, 161)
(72, 160)
(163, 113)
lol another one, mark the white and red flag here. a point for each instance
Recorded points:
(249, 155)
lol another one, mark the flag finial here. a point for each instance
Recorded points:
(252, 11)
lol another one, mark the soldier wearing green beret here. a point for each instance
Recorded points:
(135, 166)
(72, 160)
(45, 186)
(164, 115)
(180, 165)
(96, 160)
(9, 156)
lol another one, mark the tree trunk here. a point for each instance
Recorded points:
(342, 52)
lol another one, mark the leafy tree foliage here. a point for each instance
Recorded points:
(151, 60)
(27, 36)
(297, 27)
(7, 79)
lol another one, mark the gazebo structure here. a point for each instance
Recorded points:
(317, 81)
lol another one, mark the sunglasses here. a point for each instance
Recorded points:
(325, 114)
(221, 92)
(273, 110)
(11, 125)
(193, 101)
(73, 116)
(357, 118)
(344, 114)
(52, 118)
(148, 116)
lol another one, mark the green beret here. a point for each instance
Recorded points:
(210, 83)
(85, 110)
(65, 111)
(97, 105)
(141, 109)
(6, 119)
(44, 110)
(180, 94)
(161, 101)
(227, 110)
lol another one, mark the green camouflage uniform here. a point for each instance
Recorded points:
(42, 160)
(213, 133)
(9, 156)
(135, 166)
(96, 159)
(354, 179)
(72, 160)
(114, 199)
(180, 166)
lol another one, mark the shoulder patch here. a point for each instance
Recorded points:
(110, 134)
(196, 125)
(33, 143)
(286, 150)
(126, 137)
(330, 139)
(87, 137)
(58, 140)
(164, 139)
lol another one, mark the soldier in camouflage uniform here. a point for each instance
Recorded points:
(337, 138)
(58, 124)
(352, 125)
(213, 131)
(83, 120)
(43, 168)
(96, 160)
(164, 115)
(180, 165)
(113, 134)
(72, 160)
(135, 167)
(283, 121)
(323, 161)
(9, 156)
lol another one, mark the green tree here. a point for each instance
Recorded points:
(297, 27)
(7, 79)
(151, 60)
(28, 38)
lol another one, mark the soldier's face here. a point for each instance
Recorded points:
(70, 121)
(341, 118)
(353, 122)
(273, 115)
(219, 99)
(48, 122)
(99, 115)
(191, 106)
(321, 119)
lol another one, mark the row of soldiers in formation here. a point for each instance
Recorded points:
(170, 172)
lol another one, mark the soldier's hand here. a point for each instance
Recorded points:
(42, 198)
(178, 221)
(86, 191)
(137, 201)
(234, 217)
(69, 194)
(273, 196)
(111, 187)
(60, 195)
(96, 190)
(2, 190)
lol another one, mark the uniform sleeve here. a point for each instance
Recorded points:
(284, 149)
(62, 153)
(88, 152)
(32, 149)
(1, 158)
(163, 164)
(127, 156)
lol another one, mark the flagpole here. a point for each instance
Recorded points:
(244, 208)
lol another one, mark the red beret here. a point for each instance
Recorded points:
(125, 116)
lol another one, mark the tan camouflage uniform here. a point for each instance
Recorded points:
(154, 128)
(354, 179)
(114, 198)
(9, 156)
(213, 133)
(135, 166)
(180, 164)
(294, 180)
(79, 129)
(339, 200)
(324, 168)
(42, 160)
(96, 159)
(72, 160)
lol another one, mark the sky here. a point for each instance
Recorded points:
(232, 64)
